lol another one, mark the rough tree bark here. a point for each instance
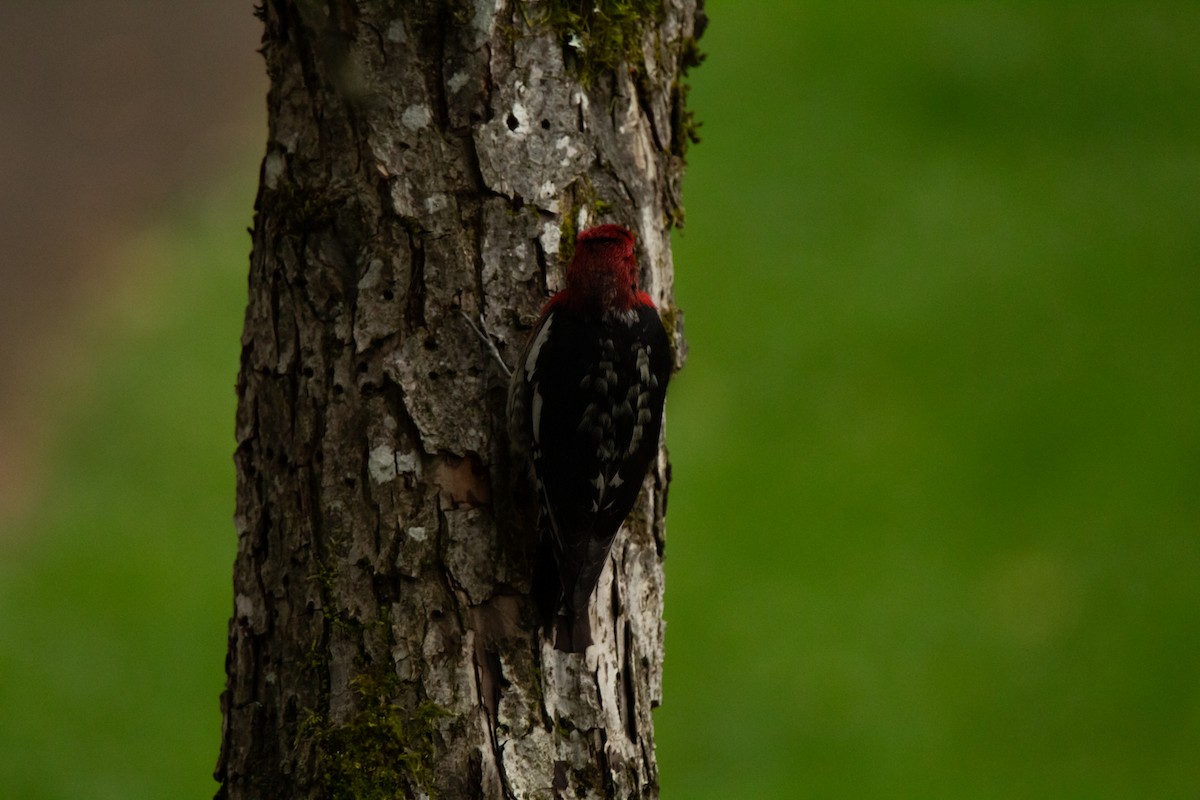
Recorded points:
(430, 162)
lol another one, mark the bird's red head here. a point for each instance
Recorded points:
(603, 274)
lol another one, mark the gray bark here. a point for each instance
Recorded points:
(428, 162)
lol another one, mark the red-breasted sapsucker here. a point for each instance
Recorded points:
(585, 408)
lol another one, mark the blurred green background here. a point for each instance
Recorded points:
(935, 524)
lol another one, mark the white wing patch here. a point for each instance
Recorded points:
(535, 347)
(530, 368)
(536, 404)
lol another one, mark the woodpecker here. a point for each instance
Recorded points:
(585, 409)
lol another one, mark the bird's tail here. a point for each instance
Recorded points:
(570, 629)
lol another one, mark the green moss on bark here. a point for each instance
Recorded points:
(602, 34)
(382, 752)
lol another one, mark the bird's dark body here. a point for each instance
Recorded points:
(586, 409)
(592, 408)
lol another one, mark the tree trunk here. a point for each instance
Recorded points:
(430, 162)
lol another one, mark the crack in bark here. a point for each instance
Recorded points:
(414, 310)
(642, 91)
(627, 675)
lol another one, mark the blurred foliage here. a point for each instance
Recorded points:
(934, 525)
(117, 591)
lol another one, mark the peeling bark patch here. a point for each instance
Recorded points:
(471, 554)
(444, 403)
(519, 158)
(449, 675)
(462, 480)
